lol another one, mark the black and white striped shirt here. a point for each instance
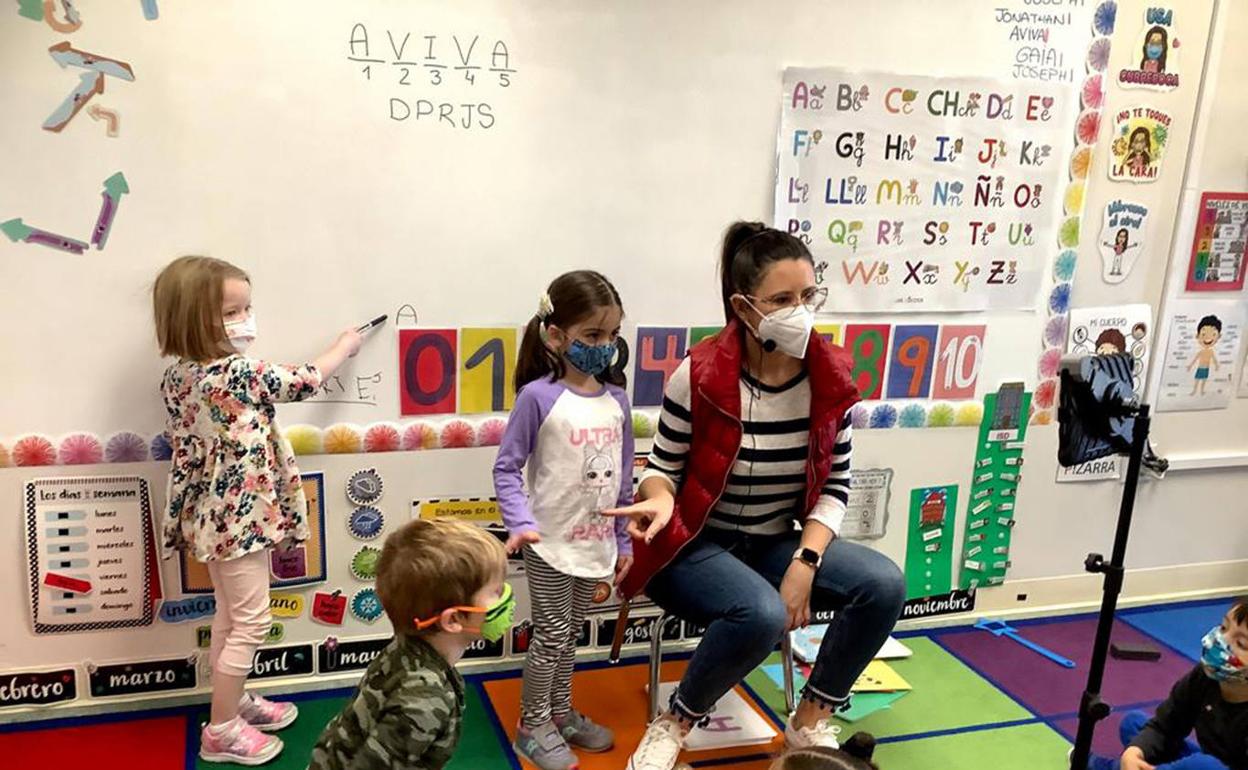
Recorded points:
(766, 488)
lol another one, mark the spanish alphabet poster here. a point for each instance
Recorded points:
(923, 194)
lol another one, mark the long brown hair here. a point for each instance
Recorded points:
(574, 297)
(186, 305)
(750, 248)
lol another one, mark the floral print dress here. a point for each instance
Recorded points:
(234, 487)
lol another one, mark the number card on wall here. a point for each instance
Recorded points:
(868, 346)
(487, 369)
(427, 371)
(660, 349)
(957, 365)
(914, 349)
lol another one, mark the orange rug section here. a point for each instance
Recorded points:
(616, 697)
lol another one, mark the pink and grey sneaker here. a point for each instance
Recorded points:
(264, 714)
(238, 742)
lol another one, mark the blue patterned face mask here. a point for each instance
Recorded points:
(591, 359)
(1219, 660)
(1154, 51)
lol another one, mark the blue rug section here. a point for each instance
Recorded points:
(1180, 628)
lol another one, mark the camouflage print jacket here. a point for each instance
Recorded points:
(406, 714)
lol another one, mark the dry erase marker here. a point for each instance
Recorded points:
(1013, 461)
(974, 551)
(981, 494)
(980, 479)
(984, 463)
(1009, 477)
(996, 580)
(378, 321)
(985, 505)
(1001, 550)
(1004, 507)
(971, 564)
(978, 523)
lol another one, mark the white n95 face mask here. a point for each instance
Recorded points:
(788, 329)
(242, 333)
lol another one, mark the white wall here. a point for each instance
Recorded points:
(684, 93)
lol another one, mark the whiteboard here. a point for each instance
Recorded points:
(627, 137)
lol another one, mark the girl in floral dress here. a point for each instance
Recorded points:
(234, 490)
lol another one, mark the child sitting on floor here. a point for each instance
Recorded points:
(1212, 699)
(854, 754)
(441, 583)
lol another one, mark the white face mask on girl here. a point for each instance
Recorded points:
(242, 333)
(788, 328)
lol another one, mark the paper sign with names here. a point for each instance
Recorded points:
(922, 194)
(91, 552)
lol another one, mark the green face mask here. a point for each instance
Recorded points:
(498, 617)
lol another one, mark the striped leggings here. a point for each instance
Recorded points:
(559, 602)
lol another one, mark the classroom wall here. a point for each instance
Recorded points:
(1188, 537)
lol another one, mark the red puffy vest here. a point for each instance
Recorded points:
(715, 379)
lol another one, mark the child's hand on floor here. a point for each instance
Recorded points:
(1133, 759)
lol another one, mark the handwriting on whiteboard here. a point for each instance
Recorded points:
(439, 79)
(359, 390)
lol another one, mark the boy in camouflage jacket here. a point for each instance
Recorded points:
(441, 584)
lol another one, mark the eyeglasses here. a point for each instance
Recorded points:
(813, 298)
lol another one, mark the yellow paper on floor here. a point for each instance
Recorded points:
(880, 677)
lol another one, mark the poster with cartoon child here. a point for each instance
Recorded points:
(1102, 331)
(1201, 356)
(1122, 239)
(1139, 144)
(1155, 58)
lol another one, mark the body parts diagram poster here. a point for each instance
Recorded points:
(923, 194)
(92, 553)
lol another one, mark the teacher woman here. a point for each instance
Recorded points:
(743, 496)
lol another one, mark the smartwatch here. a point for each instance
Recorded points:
(809, 557)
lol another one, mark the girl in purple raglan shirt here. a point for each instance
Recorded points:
(572, 429)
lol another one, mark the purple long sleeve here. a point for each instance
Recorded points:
(513, 453)
(622, 539)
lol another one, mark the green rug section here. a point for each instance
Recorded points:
(947, 695)
(1013, 748)
(479, 746)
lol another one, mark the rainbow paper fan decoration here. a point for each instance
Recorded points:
(343, 439)
(419, 435)
(81, 449)
(490, 431)
(125, 447)
(305, 439)
(457, 434)
(382, 437)
(33, 450)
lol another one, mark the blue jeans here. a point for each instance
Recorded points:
(728, 581)
(1187, 757)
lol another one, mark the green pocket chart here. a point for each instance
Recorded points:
(929, 544)
(994, 487)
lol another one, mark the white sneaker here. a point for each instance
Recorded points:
(823, 733)
(659, 747)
